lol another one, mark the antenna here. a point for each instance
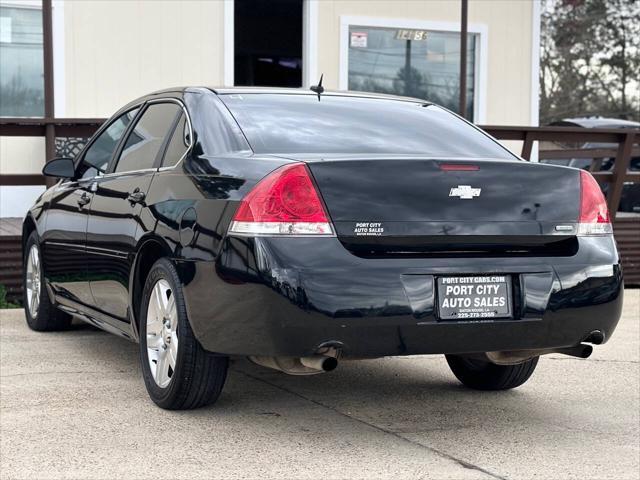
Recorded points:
(318, 88)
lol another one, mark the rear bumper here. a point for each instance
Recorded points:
(289, 296)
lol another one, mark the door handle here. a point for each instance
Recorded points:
(84, 200)
(136, 197)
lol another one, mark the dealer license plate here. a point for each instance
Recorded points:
(487, 296)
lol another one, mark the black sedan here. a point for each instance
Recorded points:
(300, 229)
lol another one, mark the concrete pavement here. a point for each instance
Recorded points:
(73, 405)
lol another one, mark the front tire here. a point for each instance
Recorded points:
(484, 375)
(41, 314)
(178, 373)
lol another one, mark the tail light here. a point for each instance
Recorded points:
(285, 202)
(594, 214)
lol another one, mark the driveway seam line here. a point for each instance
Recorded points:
(463, 463)
(597, 360)
(54, 372)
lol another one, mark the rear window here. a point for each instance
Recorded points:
(280, 123)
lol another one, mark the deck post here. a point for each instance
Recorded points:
(49, 105)
(620, 167)
(463, 58)
(527, 146)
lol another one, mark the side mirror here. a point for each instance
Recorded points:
(60, 168)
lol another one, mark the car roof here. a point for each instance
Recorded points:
(597, 122)
(178, 91)
(306, 91)
(287, 91)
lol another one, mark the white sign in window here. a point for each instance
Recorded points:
(359, 39)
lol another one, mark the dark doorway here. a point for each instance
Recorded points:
(268, 42)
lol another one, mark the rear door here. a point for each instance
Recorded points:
(119, 198)
(64, 243)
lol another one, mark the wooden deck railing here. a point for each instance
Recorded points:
(625, 145)
(554, 143)
(50, 129)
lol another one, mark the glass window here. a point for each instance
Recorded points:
(414, 63)
(145, 140)
(217, 131)
(178, 144)
(22, 71)
(280, 123)
(96, 158)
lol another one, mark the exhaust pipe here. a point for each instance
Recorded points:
(596, 337)
(320, 362)
(298, 366)
(581, 351)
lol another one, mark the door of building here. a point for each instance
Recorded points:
(268, 43)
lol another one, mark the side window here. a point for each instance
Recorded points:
(96, 159)
(144, 141)
(179, 143)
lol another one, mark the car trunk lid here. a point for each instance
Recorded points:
(434, 205)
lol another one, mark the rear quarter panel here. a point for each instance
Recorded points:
(190, 206)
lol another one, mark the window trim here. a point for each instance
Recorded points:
(101, 130)
(480, 54)
(27, 4)
(159, 166)
(115, 158)
(113, 163)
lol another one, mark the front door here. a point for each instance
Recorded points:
(64, 244)
(119, 199)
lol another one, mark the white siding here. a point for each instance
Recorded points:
(117, 51)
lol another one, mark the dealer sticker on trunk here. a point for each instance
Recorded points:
(465, 192)
(368, 229)
(477, 297)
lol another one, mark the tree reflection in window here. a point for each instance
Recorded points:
(383, 60)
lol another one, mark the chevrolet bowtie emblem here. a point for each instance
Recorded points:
(465, 192)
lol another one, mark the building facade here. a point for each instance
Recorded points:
(106, 53)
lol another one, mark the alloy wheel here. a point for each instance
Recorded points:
(162, 333)
(34, 283)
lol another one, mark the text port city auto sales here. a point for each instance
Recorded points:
(486, 301)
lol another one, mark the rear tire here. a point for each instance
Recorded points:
(484, 375)
(178, 373)
(41, 314)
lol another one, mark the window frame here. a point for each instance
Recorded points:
(113, 163)
(480, 54)
(165, 145)
(101, 130)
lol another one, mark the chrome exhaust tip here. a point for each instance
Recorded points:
(298, 365)
(320, 362)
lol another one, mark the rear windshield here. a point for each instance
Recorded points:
(281, 123)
